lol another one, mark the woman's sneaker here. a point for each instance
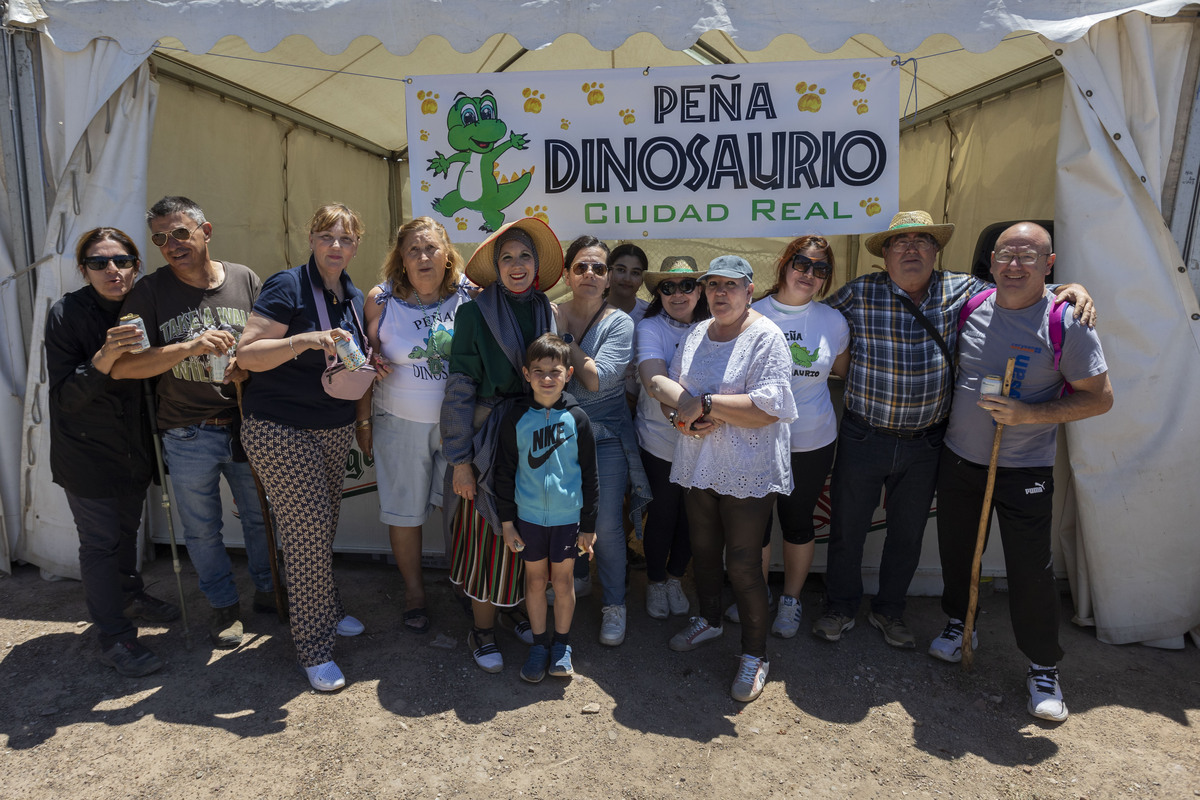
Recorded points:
(325, 677)
(695, 634)
(1045, 695)
(612, 625)
(535, 665)
(948, 645)
(130, 658)
(751, 677)
(349, 626)
(485, 652)
(560, 660)
(787, 618)
(677, 599)
(657, 605)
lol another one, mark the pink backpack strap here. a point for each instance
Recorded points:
(974, 302)
(1056, 324)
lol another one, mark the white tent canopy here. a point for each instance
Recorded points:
(1133, 557)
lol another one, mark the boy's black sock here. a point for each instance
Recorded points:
(562, 638)
(484, 632)
(542, 638)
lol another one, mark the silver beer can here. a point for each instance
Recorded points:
(217, 366)
(134, 319)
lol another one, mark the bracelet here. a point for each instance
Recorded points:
(706, 405)
(292, 345)
(362, 424)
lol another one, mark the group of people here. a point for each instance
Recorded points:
(543, 430)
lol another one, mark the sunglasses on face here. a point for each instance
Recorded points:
(98, 263)
(819, 269)
(182, 234)
(685, 286)
(598, 269)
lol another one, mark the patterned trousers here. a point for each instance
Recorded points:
(303, 471)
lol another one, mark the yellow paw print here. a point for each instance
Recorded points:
(428, 102)
(566, 124)
(860, 82)
(860, 106)
(461, 223)
(871, 204)
(626, 115)
(424, 186)
(533, 100)
(810, 97)
(539, 212)
(424, 136)
(594, 92)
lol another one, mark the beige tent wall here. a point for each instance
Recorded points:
(259, 178)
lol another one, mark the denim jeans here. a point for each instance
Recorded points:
(866, 461)
(197, 456)
(610, 532)
(108, 530)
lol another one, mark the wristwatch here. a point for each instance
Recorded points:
(566, 337)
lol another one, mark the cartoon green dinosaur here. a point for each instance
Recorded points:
(803, 358)
(436, 351)
(474, 129)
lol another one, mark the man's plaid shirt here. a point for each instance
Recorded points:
(899, 378)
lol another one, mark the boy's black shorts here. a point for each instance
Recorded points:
(557, 542)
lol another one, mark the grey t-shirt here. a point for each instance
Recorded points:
(171, 309)
(989, 338)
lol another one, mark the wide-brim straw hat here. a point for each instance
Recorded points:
(910, 222)
(481, 269)
(675, 268)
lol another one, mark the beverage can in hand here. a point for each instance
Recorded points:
(134, 319)
(348, 350)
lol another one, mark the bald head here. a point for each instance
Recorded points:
(1029, 233)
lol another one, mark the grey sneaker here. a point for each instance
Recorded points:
(695, 634)
(612, 626)
(948, 645)
(832, 625)
(130, 658)
(751, 677)
(787, 618)
(657, 605)
(677, 599)
(1045, 695)
(894, 631)
(225, 627)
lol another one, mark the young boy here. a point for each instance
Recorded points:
(546, 494)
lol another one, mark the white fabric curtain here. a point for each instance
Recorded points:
(1134, 557)
(98, 112)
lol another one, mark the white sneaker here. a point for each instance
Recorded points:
(787, 618)
(349, 626)
(677, 599)
(325, 677)
(732, 615)
(1045, 695)
(695, 634)
(612, 626)
(751, 677)
(948, 645)
(657, 605)
(486, 654)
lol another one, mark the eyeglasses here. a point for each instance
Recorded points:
(180, 234)
(98, 263)
(819, 269)
(685, 286)
(598, 269)
(920, 245)
(1027, 258)
(329, 240)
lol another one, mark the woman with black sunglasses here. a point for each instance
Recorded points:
(819, 340)
(100, 445)
(601, 341)
(678, 304)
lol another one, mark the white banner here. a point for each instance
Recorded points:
(733, 150)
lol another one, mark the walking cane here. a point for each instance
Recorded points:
(166, 504)
(968, 653)
(272, 550)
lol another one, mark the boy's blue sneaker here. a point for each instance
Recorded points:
(535, 665)
(560, 660)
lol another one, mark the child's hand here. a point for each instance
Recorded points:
(512, 539)
(584, 542)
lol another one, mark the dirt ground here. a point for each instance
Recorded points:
(418, 719)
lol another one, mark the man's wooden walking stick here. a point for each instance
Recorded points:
(968, 653)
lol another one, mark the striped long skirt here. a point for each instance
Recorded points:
(481, 564)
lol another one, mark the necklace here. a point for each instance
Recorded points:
(437, 312)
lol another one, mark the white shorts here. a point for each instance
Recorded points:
(409, 468)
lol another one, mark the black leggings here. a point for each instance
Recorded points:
(731, 527)
(668, 547)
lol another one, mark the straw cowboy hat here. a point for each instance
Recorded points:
(481, 269)
(673, 267)
(913, 222)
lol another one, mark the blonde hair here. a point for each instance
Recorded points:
(331, 214)
(393, 272)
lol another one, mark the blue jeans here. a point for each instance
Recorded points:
(197, 456)
(866, 461)
(610, 531)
